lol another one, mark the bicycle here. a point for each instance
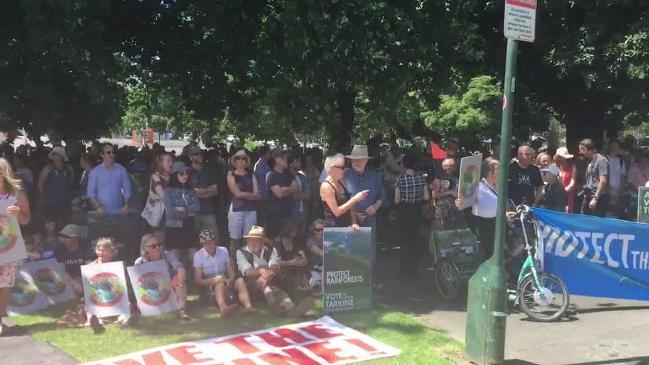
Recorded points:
(543, 297)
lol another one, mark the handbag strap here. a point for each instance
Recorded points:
(151, 192)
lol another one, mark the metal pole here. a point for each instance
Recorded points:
(487, 300)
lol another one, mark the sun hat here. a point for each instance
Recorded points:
(256, 232)
(71, 231)
(178, 166)
(563, 152)
(553, 169)
(359, 152)
(207, 235)
(58, 150)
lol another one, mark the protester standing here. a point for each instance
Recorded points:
(444, 193)
(261, 170)
(283, 186)
(181, 206)
(554, 195)
(244, 188)
(567, 174)
(595, 200)
(56, 185)
(158, 184)
(617, 173)
(302, 198)
(360, 179)
(409, 194)
(338, 203)
(525, 178)
(18, 206)
(203, 180)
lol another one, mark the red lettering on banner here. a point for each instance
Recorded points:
(184, 356)
(359, 343)
(154, 358)
(243, 362)
(295, 357)
(241, 344)
(280, 341)
(329, 354)
(318, 331)
(530, 4)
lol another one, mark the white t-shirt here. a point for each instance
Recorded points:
(487, 203)
(212, 266)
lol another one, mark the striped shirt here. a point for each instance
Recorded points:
(411, 188)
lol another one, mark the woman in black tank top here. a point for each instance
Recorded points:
(338, 203)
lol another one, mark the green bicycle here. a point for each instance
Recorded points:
(541, 296)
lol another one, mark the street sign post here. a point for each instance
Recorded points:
(520, 20)
(487, 299)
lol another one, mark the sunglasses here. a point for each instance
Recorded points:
(338, 167)
(156, 246)
(182, 173)
(318, 229)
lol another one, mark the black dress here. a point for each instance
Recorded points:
(330, 219)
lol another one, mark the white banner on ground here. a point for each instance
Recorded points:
(104, 289)
(12, 246)
(323, 341)
(152, 286)
(25, 296)
(49, 277)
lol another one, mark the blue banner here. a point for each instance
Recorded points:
(597, 257)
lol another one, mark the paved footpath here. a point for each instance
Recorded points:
(24, 350)
(600, 332)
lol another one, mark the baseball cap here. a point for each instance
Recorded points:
(70, 231)
(553, 169)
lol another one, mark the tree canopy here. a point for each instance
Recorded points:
(271, 69)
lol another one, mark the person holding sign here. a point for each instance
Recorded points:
(484, 209)
(17, 208)
(339, 205)
(152, 250)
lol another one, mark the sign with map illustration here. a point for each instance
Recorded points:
(12, 247)
(25, 296)
(152, 286)
(104, 289)
(347, 268)
(49, 277)
(470, 169)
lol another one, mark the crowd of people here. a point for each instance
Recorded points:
(241, 227)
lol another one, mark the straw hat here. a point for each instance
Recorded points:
(256, 232)
(563, 152)
(240, 153)
(359, 152)
(58, 150)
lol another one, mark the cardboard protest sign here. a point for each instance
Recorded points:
(347, 267)
(49, 277)
(25, 296)
(104, 289)
(152, 286)
(323, 341)
(12, 246)
(470, 169)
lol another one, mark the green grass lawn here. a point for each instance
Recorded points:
(419, 344)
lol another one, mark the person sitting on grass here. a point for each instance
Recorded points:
(315, 248)
(214, 271)
(152, 250)
(106, 252)
(294, 271)
(259, 265)
(72, 252)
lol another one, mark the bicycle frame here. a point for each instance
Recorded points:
(529, 265)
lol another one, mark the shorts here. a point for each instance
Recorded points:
(239, 223)
(8, 274)
(207, 221)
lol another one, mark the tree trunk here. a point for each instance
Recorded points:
(340, 131)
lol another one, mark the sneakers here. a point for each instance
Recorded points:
(299, 310)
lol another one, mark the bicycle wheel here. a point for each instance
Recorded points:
(544, 304)
(448, 280)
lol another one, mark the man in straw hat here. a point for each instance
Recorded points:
(259, 265)
(56, 184)
(357, 179)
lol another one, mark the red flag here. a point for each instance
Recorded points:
(437, 151)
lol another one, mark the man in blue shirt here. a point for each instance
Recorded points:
(261, 170)
(109, 187)
(357, 179)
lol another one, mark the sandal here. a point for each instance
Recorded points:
(183, 316)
